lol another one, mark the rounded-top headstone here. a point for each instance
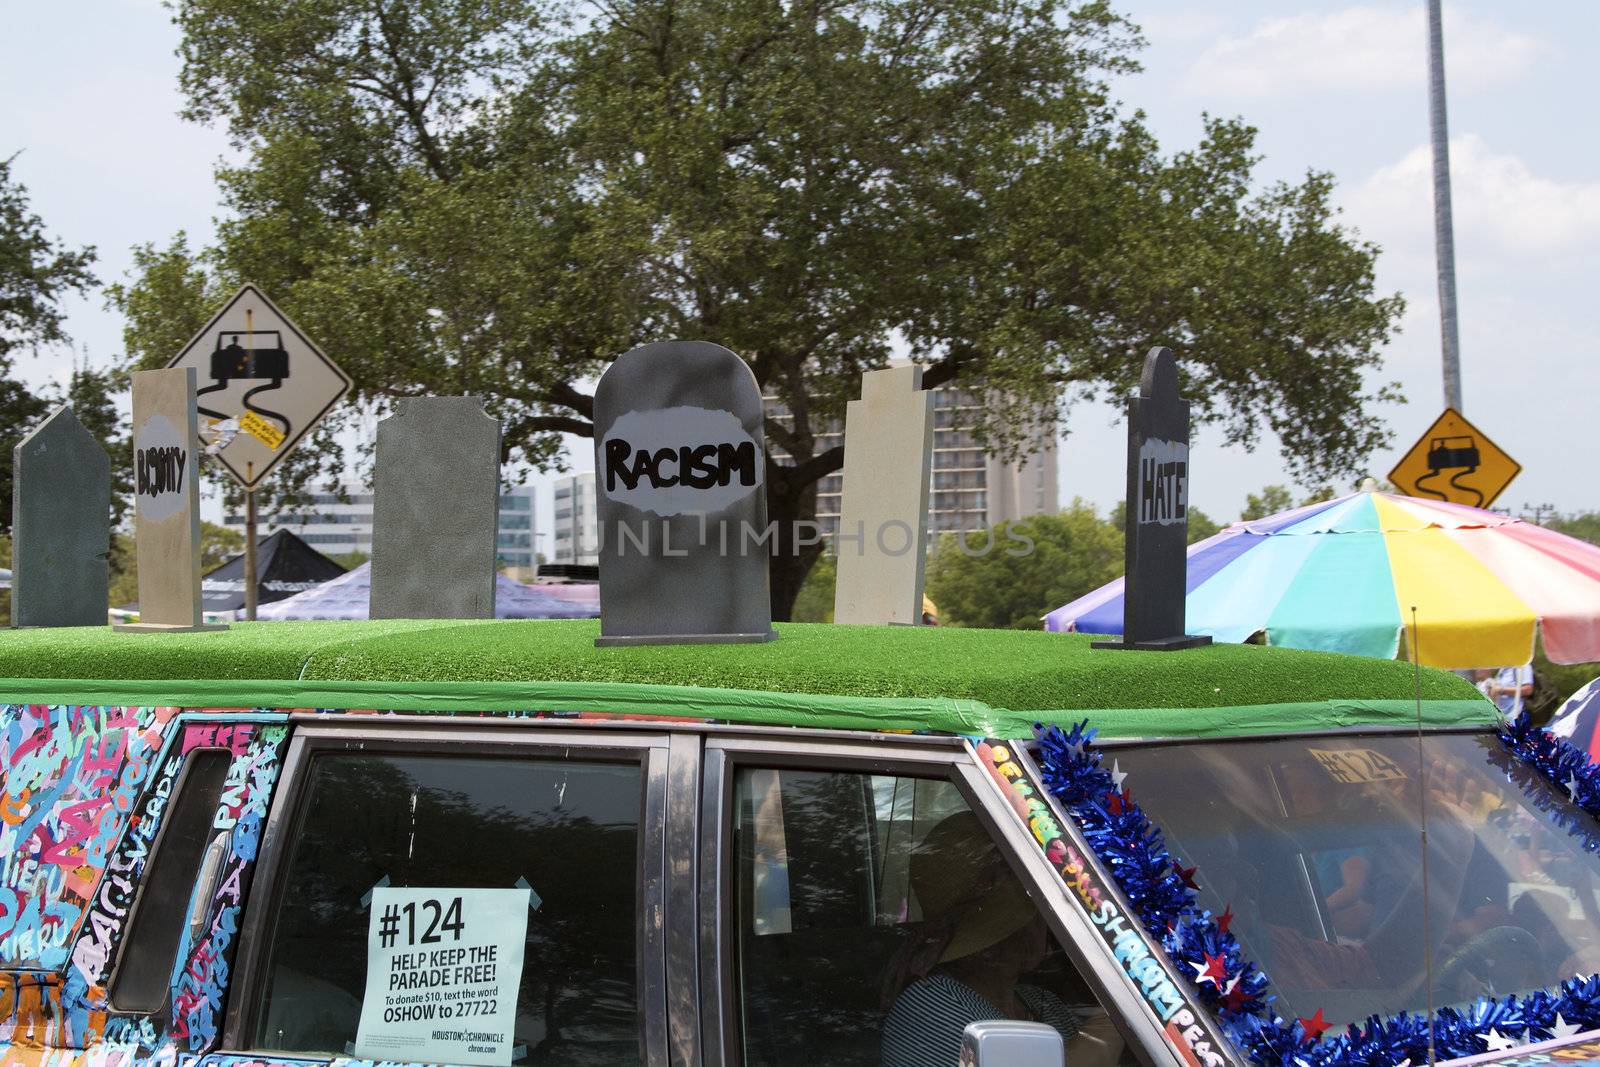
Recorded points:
(680, 479)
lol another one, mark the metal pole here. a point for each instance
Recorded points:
(250, 555)
(1444, 235)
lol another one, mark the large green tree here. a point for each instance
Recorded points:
(35, 273)
(499, 197)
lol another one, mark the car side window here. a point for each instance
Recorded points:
(162, 909)
(875, 918)
(567, 829)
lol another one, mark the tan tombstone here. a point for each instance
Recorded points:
(166, 501)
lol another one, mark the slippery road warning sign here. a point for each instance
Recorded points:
(1454, 461)
(263, 384)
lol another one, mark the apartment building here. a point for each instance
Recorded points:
(574, 517)
(968, 489)
(337, 527)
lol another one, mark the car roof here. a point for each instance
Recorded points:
(943, 679)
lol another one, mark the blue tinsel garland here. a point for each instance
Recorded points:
(1161, 892)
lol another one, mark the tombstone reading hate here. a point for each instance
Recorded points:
(883, 517)
(680, 471)
(435, 510)
(166, 501)
(1157, 521)
(61, 526)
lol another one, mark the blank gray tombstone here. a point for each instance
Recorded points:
(435, 510)
(61, 526)
(680, 483)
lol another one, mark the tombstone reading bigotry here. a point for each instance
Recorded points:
(1157, 516)
(435, 510)
(883, 515)
(680, 461)
(166, 502)
(61, 525)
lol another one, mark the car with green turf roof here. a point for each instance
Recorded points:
(494, 843)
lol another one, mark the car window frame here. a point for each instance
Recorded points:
(949, 759)
(457, 736)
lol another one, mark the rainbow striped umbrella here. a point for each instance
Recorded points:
(1343, 575)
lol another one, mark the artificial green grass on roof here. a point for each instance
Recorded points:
(1017, 670)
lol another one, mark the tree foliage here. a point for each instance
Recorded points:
(35, 273)
(499, 197)
(1011, 576)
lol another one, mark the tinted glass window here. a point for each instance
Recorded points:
(1315, 844)
(144, 967)
(569, 830)
(875, 918)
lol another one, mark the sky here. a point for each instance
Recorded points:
(90, 100)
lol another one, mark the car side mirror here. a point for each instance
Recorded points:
(1010, 1043)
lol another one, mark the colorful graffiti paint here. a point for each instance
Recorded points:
(72, 775)
(89, 788)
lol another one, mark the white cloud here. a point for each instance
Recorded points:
(1501, 206)
(1362, 48)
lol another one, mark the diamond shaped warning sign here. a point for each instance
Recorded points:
(1456, 462)
(263, 384)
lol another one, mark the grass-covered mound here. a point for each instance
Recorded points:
(1018, 670)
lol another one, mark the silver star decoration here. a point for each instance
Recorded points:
(1495, 1041)
(1231, 983)
(1075, 749)
(1200, 974)
(1563, 1029)
(1572, 787)
(1117, 775)
(1404, 1063)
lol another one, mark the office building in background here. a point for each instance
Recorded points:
(968, 489)
(338, 527)
(573, 516)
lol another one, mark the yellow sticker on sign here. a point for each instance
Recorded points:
(1357, 766)
(261, 430)
(1454, 461)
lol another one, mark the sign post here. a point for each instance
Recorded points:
(1454, 461)
(266, 385)
(680, 469)
(1157, 521)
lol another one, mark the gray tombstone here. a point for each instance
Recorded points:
(435, 510)
(1157, 522)
(61, 526)
(680, 482)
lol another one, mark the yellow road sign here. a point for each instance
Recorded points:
(1454, 461)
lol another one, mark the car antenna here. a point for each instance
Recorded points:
(1422, 821)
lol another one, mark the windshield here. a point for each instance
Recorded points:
(1314, 845)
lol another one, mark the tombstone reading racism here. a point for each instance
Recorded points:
(1157, 521)
(680, 472)
(166, 501)
(61, 526)
(883, 517)
(435, 510)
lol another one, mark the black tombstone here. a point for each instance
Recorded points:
(1157, 520)
(680, 483)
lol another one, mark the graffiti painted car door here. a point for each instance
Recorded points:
(98, 803)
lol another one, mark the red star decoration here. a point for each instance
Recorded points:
(1235, 998)
(1225, 919)
(1117, 803)
(1216, 969)
(1185, 874)
(1314, 1027)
